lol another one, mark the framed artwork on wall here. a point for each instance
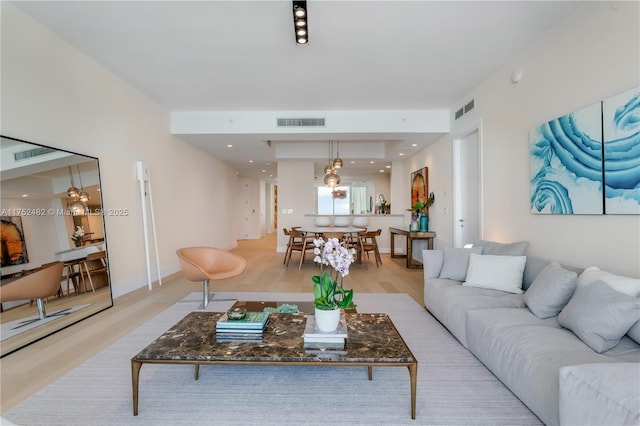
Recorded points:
(419, 185)
(588, 161)
(14, 247)
(621, 130)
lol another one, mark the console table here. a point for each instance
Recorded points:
(411, 235)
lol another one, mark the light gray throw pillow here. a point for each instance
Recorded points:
(550, 291)
(503, 249)
(432, 261)
(456, 262)
(634, 332)
(599, 315)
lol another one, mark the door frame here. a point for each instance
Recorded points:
(457, 191)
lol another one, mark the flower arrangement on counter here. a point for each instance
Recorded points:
(77, 236)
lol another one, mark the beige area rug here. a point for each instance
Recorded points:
(454, 388)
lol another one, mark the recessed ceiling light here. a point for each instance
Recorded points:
(301, 23)
(388, 167)
(302, 40)
(264, 171)
(301, 32)
(229, 146)
(353, 162)
(251, 161)
(24, 195)
(414, 144)
(381, 171)
(402, 153)
(299, 12)
(372, 162)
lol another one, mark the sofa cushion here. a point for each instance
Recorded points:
(449, 302)
(626, 285)
(496, 272)
(550, 291)
(600, 315)
(603, 394)
(526, 353)
(502, 249)
(456, 262)
(634, 332)
(432, 261)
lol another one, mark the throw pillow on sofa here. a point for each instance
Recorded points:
(456, 262)
(502, 249)
(599, 315)
(634, 332)
(550, 291)
(496, 272)
(626, 285)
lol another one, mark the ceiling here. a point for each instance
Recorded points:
(242, 56)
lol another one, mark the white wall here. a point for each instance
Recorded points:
(593, 55)
(55, 95)
(295, 192)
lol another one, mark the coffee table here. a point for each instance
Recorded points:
(373, 341)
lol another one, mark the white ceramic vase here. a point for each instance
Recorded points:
(327, 320)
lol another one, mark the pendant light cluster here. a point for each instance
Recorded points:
(79, 197)
(331, 177)
(300, 21)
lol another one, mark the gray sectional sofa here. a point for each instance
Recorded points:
(562, 339)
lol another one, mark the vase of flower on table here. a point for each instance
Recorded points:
(329, 294)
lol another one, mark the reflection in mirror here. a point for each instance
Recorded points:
(52, 214)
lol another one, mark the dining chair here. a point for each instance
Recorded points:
(301, 242)
(369, 243)
(287, 233)
(339, 235)
(39, 285)
(208, 263)
(95, 263)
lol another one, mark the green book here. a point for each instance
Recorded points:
(252, 320)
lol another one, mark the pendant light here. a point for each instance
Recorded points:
(331, 178)
(83, 196)
(72, 192)
(337, 163)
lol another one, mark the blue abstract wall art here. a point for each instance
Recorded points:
(621, 121)
(574, 172)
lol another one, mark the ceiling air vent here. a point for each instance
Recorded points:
(465, 109)
(300, 122)
(23, 155)
(468, 107)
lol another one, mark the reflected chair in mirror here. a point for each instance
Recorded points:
(95, 263)
(369, 243)
(300, 242)
(39, 285)
(208, 263)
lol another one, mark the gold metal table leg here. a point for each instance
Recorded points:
(135, 376)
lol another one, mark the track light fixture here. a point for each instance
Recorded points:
(300, 21)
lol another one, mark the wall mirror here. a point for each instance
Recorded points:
(47, 195)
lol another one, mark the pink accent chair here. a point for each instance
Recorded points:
(209, 263)
(38, 285)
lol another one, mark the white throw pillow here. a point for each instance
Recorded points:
(626, 285)
(496, 272)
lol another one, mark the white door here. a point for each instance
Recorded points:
(468, 188)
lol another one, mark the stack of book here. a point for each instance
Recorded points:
(321, 342)
(247, 329)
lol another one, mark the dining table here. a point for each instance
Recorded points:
(350, 232)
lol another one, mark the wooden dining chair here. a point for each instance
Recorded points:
(301, 242)
(95, 263)
(369, 243)
(339, 235)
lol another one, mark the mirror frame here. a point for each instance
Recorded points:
(10, 345)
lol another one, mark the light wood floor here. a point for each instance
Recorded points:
(27, 370)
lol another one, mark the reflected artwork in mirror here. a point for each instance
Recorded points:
(52, 216)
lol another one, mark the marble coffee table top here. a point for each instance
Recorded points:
(372, 338)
